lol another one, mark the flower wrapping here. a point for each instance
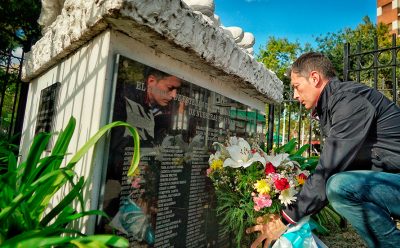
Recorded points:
(299, 236)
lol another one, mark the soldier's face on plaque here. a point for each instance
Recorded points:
(162, 91)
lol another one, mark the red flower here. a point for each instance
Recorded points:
(269, 168)
(281, 184)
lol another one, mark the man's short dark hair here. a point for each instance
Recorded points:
(152, 71)
(313, 61)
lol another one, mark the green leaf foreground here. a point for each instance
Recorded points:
(102, 240)
(136, 156)
(28, 188)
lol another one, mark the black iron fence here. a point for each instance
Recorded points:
(378, 68)
(291, 120)
(13, 95)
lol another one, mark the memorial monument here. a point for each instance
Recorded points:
(169, 68)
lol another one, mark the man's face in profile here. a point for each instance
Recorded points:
(162, 91)
(305, 89)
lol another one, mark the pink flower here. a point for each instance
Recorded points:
(274, 176)
(282, 184)
(262, 201)
(208, 171)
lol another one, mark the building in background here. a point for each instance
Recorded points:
(388, 13)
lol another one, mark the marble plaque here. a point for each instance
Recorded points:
(171, 203)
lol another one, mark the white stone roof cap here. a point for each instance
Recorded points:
(197, 42)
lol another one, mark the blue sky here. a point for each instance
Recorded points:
(300, 20)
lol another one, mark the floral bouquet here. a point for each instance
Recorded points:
(251, 184)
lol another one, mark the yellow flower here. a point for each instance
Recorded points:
(262, 187)
(216, 164)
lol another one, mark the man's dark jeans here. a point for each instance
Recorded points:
(369, 200)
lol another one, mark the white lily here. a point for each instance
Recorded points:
(222, 152)
(240, 154)
(293, 163)
(215, 156)
(277, 159)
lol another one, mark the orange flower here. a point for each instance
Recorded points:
(301, 178)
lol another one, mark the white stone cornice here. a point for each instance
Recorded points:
(395, 25)
(395, 4)
(379, 11)
(167, 25)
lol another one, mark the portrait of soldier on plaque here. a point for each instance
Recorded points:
(142, 98)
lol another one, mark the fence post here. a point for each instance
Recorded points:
(300, 122)
(358, 62)
(310, 135)
(289, 117)
(5, 82)
(394, 64)
(376, 62)
(346, 53)
(278, 130)
(270, 127)
(17, 99)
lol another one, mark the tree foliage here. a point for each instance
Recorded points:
(362, 38)
(278, 54)
(18, 23)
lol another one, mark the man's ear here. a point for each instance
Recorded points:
(151, 80)
(315, 78)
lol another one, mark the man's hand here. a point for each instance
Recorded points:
(270, 227)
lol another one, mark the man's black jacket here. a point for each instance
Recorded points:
(362, 132)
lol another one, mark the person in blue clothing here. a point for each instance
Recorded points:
(359, 166)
